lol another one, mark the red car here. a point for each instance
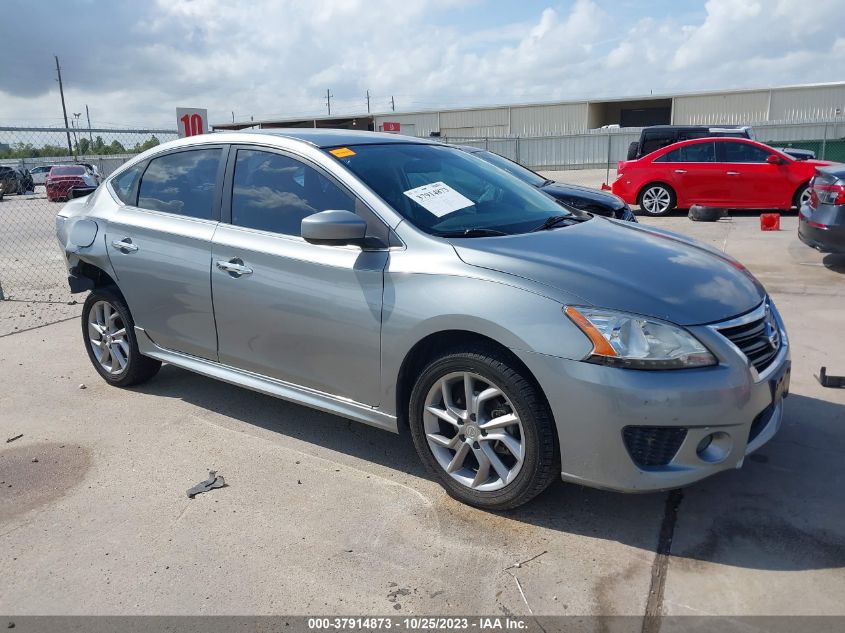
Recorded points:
(70, 181)
(733, 173)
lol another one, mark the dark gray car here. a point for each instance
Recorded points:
(584, 198)
(821, 223)
(411, 286)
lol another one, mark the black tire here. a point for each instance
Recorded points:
(698, 213)
(673, 200)
(138, 368)
(796, 199)
(541, 464)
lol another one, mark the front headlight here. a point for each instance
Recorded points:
(637, 342)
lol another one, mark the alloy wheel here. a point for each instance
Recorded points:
(805, 196)
(656, 200)
(107, 337)
(473, 431)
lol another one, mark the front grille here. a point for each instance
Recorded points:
(759, 339)
(652, 446)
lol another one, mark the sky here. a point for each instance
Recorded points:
(133, 63)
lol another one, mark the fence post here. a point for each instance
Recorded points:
(607, 173)
(517, 150)
(486, 143)
(824, 142)
(2, 296)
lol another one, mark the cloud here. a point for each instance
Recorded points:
(133, 63)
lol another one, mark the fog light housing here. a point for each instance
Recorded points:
(714, 447)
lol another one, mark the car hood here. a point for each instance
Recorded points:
(624, 266)
(561, 190)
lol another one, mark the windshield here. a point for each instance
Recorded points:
(523, 173)
(445, 191)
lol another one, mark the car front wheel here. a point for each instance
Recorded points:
(109, 335)
(657, 199)
(483, 429)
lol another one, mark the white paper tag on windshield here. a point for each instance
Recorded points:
(438, 198)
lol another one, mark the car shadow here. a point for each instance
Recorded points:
(833, 262)
(755, 517)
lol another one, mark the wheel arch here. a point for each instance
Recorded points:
(795, 199)
(443, 342)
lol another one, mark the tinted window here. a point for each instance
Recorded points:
(271, 192)
(523, 173)
(696, 153)
(688, 135)
(124, 184)
(182, 183)
(74, 170)
(732, 152)
(654, 140)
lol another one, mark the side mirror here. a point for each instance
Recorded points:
(334, 228)
(774, 159)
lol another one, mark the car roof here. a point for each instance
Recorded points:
(323, 138)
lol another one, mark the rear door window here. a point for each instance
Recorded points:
(695, 153)
(654, 140)
(182, 183)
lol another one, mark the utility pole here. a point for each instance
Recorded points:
(64, 110)
(329, 101)
(392, 104)
(233, 116)
(368, 101)
(88, 116)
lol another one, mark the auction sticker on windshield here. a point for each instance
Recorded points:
(438, 198)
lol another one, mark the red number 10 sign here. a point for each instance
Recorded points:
(191, 121)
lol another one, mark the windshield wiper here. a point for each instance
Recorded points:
(547, 182)
(554, 220)
(473, 233)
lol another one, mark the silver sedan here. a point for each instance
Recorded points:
(411, 286)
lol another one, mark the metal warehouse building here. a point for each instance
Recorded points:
(787, 104)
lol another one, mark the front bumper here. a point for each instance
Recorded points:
(593, 405)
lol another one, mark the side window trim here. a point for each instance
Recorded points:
(215, 200)
(375, 225)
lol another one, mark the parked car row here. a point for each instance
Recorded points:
(14, 179)
(419, 288)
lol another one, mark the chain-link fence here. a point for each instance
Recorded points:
(31, 265)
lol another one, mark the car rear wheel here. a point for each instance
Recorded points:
(657, 199)
(109, 335)
(801, 197)
(483, 429)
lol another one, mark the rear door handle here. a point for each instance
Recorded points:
(733, 173)
(680, 171)
(125, 245)
(234, 267)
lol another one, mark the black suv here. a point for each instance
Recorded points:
(657, 136)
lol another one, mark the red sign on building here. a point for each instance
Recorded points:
(391, 126)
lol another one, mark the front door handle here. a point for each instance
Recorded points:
(125, 245)
(733, 173)
(680, 171)
(235, 267)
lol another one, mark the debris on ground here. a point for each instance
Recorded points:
(519, 564)
(213, 481)
(34, 460)
(12, 439)
(835, 382)
(82, 386)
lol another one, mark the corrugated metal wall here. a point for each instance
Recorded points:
(739, 108)
(803, 104)
(568, 118)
